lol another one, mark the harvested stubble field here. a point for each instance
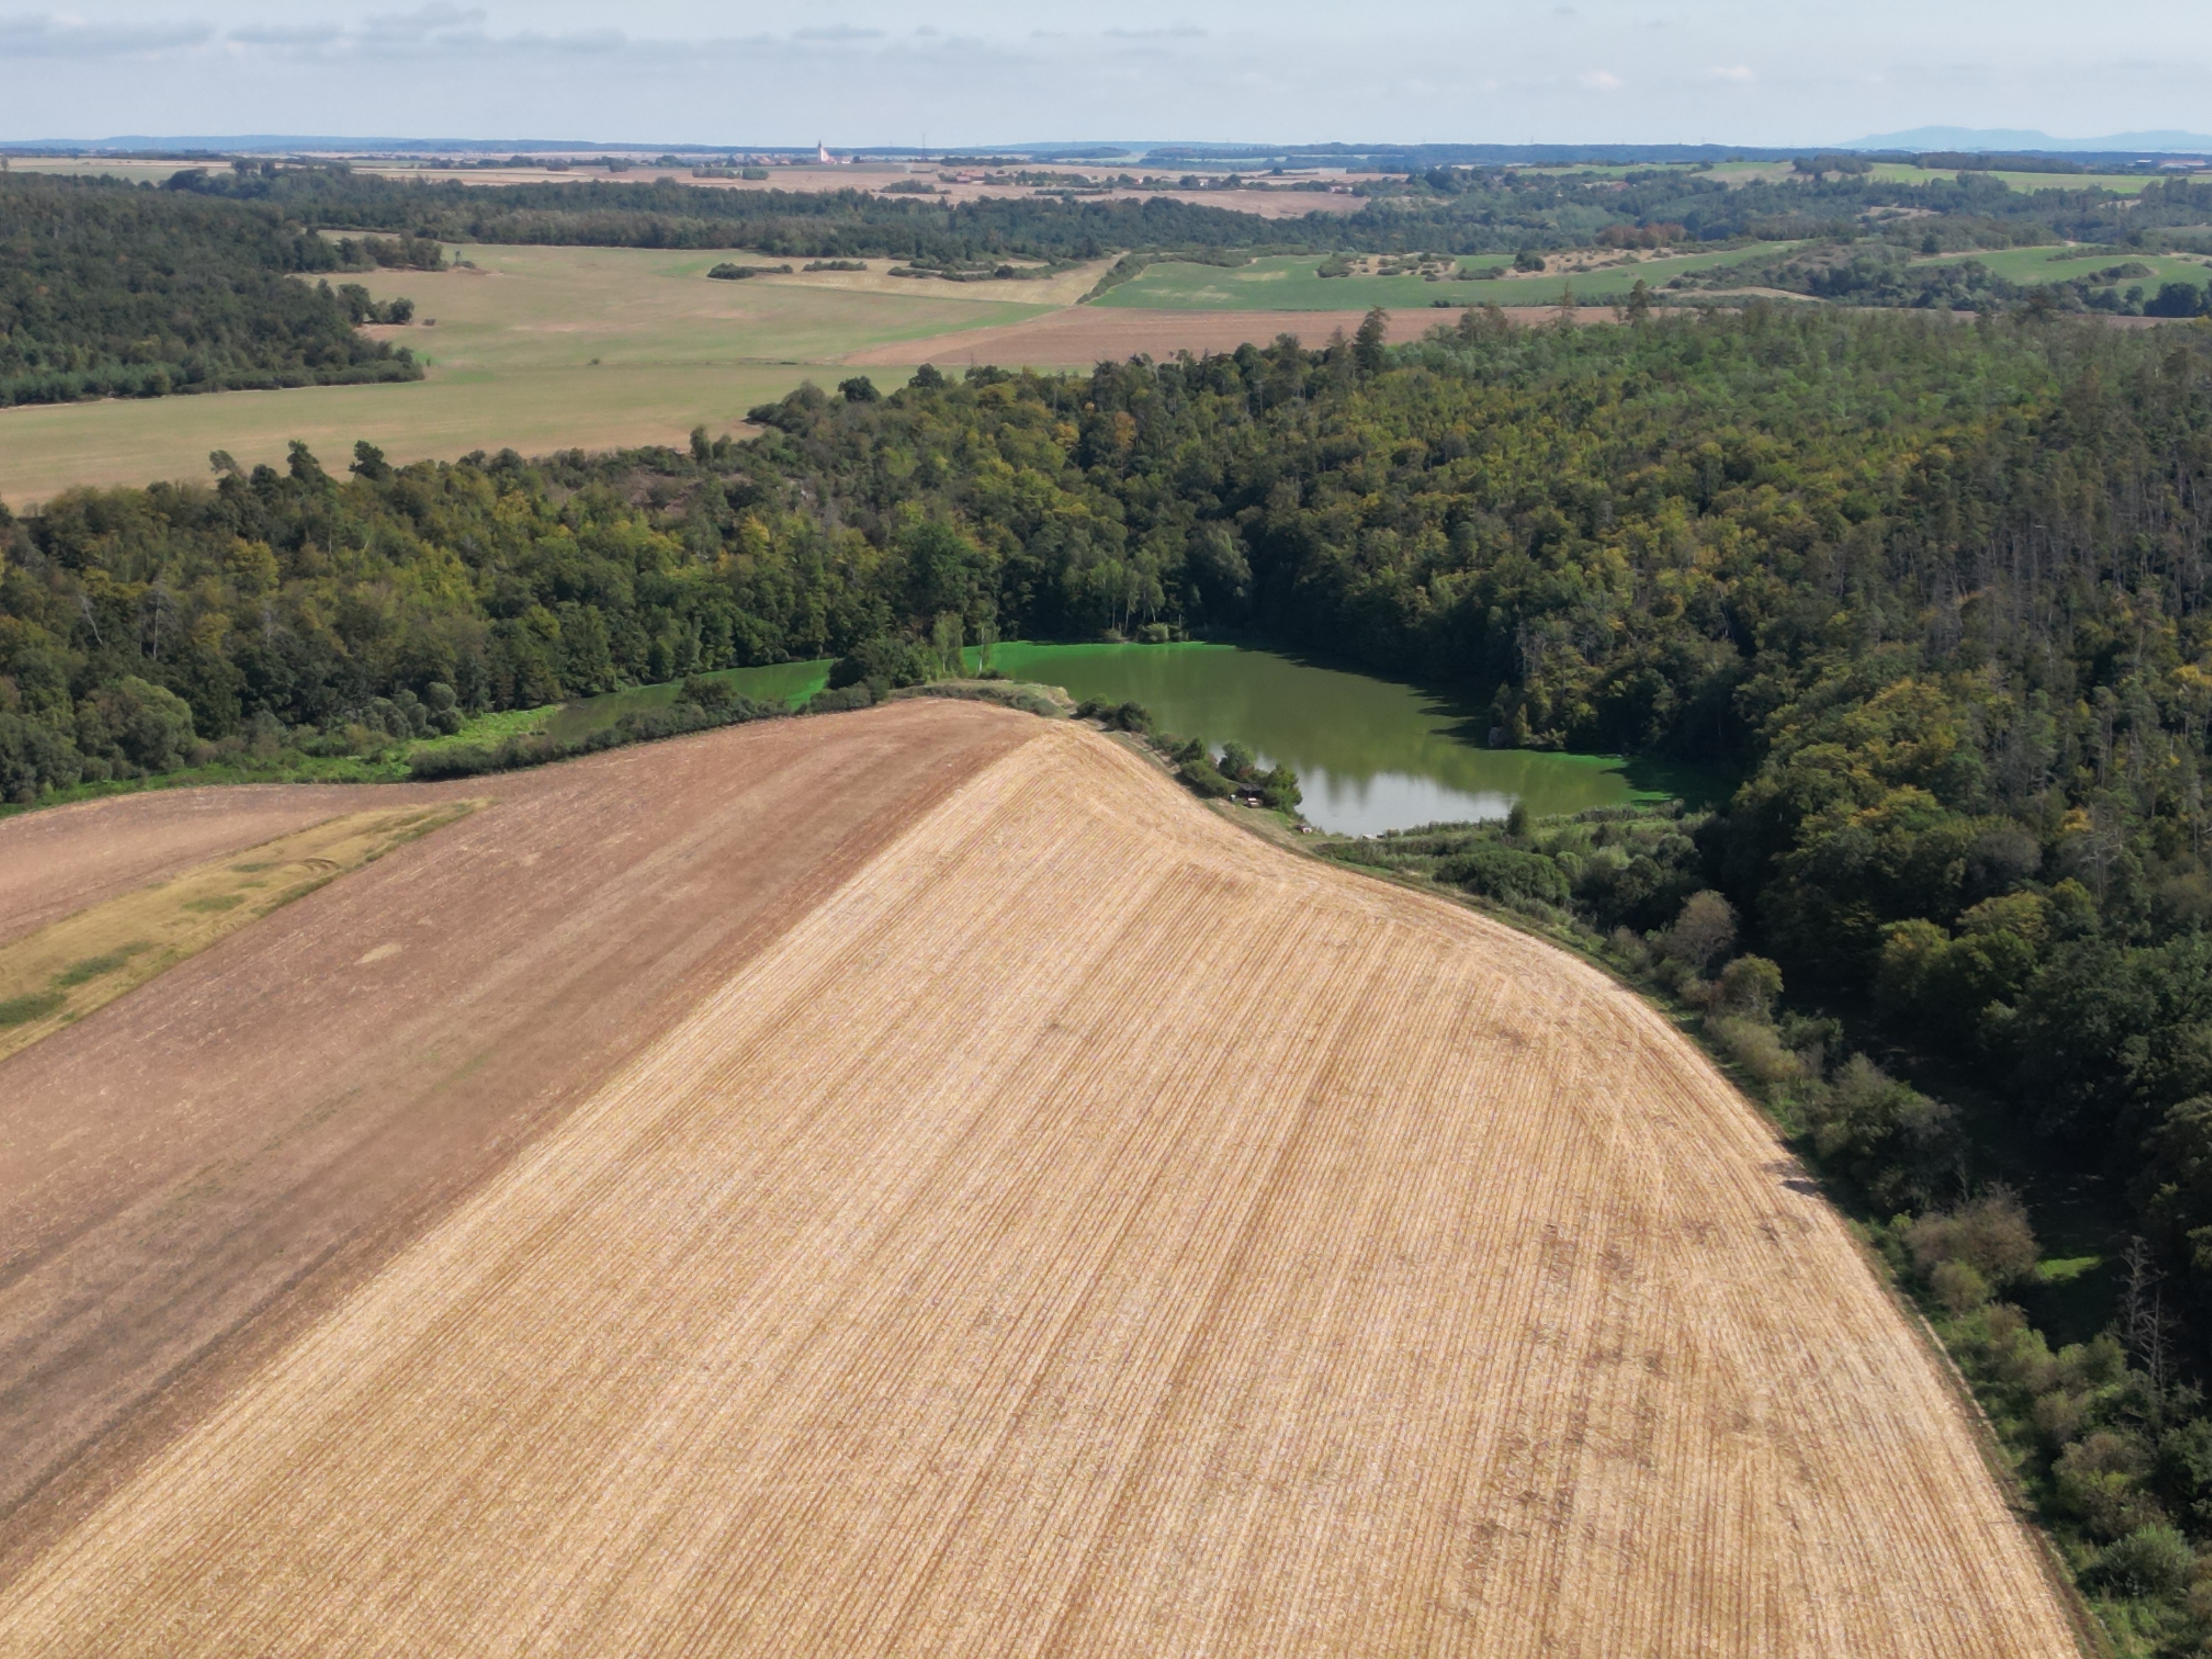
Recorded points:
(193, 1172)
(62, 974)
(1067, 1225)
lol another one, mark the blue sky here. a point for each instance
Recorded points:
(863, 72)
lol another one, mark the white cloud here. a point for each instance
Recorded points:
(1740, 73)
(422, 22)
(1600, 80)
(280, 34)
(45, 35)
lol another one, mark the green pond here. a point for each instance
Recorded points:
(1371, 755)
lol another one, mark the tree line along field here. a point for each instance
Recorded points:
(1293, 284)
(2120, 184)
(532, 349)
(2038, 266)
(1019, 1213)
(535, 348)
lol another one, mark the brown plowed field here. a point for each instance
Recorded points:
(55, 863)
(1086, 1229)
(188, 1174)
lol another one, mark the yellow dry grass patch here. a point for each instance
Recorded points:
(70, 968)
(1091, 1231)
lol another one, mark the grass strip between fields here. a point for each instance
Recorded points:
(56, 976)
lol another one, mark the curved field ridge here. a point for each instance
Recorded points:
(1090, 1231)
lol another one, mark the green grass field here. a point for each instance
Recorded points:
(2034, 265)
(535, 348)
(1288, 285)
(2125, 184)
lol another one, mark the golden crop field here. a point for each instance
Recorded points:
(1082, 1229)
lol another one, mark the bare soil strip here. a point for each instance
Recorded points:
(193, 1172)
(56, 976)
(1084, 335)
(1088, 1231)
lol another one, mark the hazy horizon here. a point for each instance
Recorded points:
(968, 72)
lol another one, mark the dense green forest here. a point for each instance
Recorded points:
(1464, 211)
(1936, 593)
(110, 291)
(820, 224)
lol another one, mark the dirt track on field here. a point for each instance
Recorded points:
(1083, 335)
(192, 1172)
(1086, 1231)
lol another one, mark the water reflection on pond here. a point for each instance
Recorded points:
(1371, 755)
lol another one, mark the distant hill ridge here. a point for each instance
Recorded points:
(2009, 138)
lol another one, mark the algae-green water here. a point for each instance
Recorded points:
(1370, 754)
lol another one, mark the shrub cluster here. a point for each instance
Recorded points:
(700, 706)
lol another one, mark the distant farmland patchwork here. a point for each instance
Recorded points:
(535, 349)
(1047, 1221)
(539, 348)
(544, 348)
(2122, 183)
(2032, 266)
